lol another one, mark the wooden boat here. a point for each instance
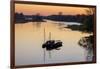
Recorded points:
(52, 44)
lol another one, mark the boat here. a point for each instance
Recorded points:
(52, 44)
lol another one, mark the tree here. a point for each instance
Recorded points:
(90, 11)
(60, 13)
(89, 20)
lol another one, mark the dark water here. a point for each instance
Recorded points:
(29, 38)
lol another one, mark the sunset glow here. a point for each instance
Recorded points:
(53, 34)
(29, 9)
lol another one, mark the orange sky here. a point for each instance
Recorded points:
(30, 9)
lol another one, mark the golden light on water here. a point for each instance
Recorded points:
(29, 36)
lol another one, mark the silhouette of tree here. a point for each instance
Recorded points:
(19, 17)
(89, 20)
(88, 41)
(38, 14)
(60, 13)
(90, 11)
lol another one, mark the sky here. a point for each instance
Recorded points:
(31, 9)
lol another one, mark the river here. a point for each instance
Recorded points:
(29, 38)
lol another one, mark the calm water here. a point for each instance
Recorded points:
(29, 38)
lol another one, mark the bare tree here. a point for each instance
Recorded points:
(90, 11)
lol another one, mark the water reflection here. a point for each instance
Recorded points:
(87, 43)
(29, 38)
(37, 24)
